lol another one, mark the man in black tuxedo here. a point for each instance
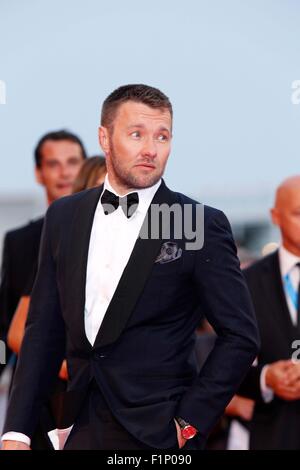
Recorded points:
(273, 283)
(124, 294)
(58, 158)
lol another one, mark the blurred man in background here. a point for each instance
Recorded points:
(274, 284)
(58, 159)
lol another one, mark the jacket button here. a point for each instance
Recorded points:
(99, 356)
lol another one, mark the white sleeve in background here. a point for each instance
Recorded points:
(16, 436)
(266, 392)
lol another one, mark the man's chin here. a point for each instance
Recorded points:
(145, 181)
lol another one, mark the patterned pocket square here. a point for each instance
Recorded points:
(169, 252)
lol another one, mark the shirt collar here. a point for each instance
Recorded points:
(287, 260)
(145, 195)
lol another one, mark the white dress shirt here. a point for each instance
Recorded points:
(112, 240)
(287, 263)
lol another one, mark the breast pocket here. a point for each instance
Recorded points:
(169, 268)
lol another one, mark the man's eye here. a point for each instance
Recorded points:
(51, 164)
(136, 134)
(162, 138)
(74, 162)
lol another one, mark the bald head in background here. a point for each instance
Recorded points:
(286, 213)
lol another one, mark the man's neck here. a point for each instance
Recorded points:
(291, 248)
(119, 188)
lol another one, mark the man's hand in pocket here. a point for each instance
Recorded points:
(180, 439)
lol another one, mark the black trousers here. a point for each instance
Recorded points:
(97, 429)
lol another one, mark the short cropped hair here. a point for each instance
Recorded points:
(139, 93)
(56, 136)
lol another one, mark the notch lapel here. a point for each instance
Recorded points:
(133, 278)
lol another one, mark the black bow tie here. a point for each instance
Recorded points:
(111, 202)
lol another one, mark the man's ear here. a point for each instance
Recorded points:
(104, 139)
(39, 176)
(275, 216)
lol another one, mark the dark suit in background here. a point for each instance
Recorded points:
(275, 425)
(19, 263)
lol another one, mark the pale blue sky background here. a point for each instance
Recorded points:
(227, 67)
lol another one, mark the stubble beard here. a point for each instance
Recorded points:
(127, 177)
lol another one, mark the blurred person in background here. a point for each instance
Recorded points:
(273, 281)
(58, 158)
(239, 412)
(92, 174)
(232, 431)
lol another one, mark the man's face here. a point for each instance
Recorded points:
(138, 145)
(60, 164)
(287, 217)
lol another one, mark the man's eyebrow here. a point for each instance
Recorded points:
(56, 160)
(51, 160)
(141, 126)
(163, 128)
(135, 125)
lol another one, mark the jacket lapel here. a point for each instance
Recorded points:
(133, 278)
(77, 256)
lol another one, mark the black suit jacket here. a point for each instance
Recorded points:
(19, 263)
(143, 358)
(275, 425)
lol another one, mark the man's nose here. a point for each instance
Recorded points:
(149, 149)
(65, 171)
